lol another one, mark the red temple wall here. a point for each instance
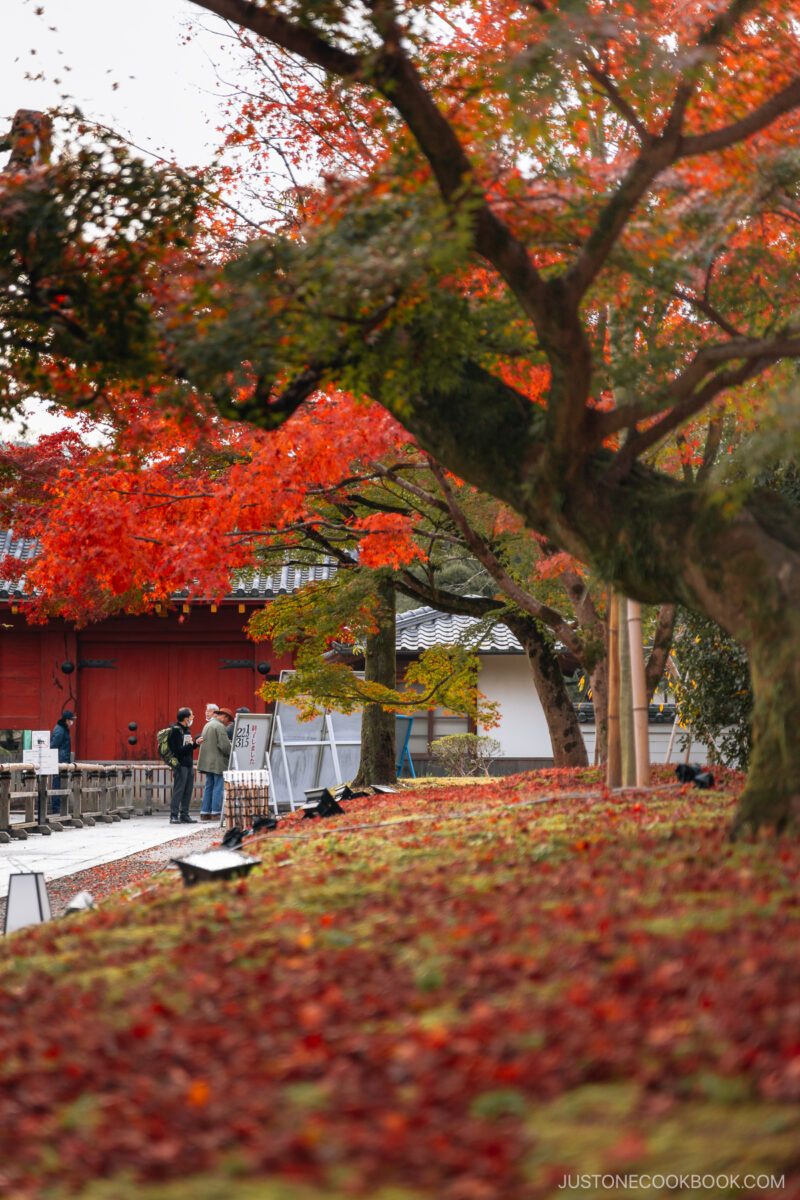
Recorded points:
(128, 669)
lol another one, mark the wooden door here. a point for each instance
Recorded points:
(147, 682)
(212, 672)
(121, 683)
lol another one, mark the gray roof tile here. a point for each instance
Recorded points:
(278, 583)
(422, 628)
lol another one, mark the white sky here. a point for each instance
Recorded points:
(167, 99)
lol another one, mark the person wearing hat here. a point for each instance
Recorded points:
(215, 751)
(61, 740)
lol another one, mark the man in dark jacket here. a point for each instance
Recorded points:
(61, 740)
(182, 746)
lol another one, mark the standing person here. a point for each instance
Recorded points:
(182, 745)
(210, 710)
(61, 740)
(215, 753)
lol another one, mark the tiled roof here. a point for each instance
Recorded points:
(14, 547)
(422, 628)
(278, 583)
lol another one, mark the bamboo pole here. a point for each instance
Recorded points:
(613, 761)
(641, 733)
(675, 725)
(626, 742)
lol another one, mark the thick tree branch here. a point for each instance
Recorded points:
(580, 598)
(484, 554)
(682, 395)
(660, 152)
(391, 72)
(728, 135)
(639, 443)
(704, 306)
(268, 410)
(713, 439)
(297, 39)
(626, 110)
(447, 601)
(657, 154)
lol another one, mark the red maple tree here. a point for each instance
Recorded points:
(589, 207)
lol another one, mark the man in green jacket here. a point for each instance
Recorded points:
(215, 751)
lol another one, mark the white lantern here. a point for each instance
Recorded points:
(28, 902)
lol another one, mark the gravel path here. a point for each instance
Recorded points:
(109, 877)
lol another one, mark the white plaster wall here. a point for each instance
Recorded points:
(659, 745)
(522, 732)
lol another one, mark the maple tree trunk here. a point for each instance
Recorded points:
(772, 794)
(569, 748)
(658, 539)
(598, 682)
(662, 646)
(378, 744)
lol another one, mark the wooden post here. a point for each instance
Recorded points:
(125, 792)
(5, 805)
(106, 786)
(641, 732)
(76, 796)
(83, 802)
(613, 762)
(29, 782)
(19, 789)
(65, 806)
(71, 805)
(102, 797)
(43, 825)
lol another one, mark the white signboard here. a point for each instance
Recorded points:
(40, 739)
(323, 752)
(249, 741)
(43, 758)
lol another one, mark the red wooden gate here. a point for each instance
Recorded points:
(146, 683)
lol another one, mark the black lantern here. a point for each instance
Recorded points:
(214, 864)
(320, 803)
(68, 667)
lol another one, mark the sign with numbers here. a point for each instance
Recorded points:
(249, 741)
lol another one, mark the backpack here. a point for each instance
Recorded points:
(163, 749)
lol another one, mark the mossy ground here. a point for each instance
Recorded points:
(467, 992)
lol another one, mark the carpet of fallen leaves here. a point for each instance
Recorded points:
(464, 993)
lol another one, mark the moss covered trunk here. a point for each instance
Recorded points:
(734, 557)
(772, 794)
(748, 580)
(598, 681)
(378, 753)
